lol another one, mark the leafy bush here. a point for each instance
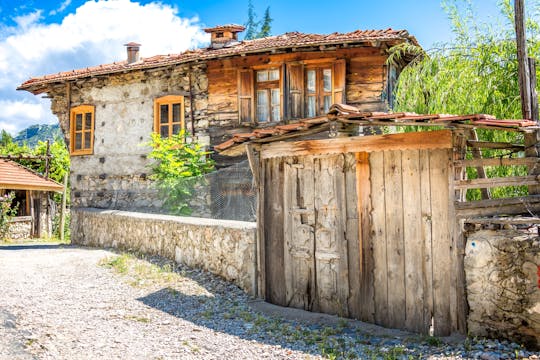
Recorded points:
(6, 213)
(179, 167)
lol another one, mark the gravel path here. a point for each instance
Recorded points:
(60, 303)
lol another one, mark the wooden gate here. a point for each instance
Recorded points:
(363, 228)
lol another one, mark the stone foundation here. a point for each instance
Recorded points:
(223, 247)
(502, 267)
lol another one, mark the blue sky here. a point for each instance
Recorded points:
(42, 37)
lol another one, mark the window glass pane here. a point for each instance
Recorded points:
(327, 80)
(327, 103)
(78, 122)
(87, 142)
(176, 113)
(311, 81)
(262, 106)
(78, 141)
(87, 121)
(164, 131)
(273, 74)
(262, 75)
(164, 114)
(275, 96)
(311, 106)
(176, 129)
(276, 113)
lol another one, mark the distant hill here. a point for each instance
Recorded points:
(35, 133)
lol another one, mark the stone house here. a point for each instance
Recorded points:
(108, 111)
(34, 212)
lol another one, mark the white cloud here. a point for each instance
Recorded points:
(93, 35)
(62, 7)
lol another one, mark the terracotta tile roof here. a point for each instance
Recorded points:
(17, 177)
(229, 27)
(284, 41)
(350, 114)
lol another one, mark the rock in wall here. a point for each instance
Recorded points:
(502, 269)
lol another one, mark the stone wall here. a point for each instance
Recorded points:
(502, 268)
(223, 247)
(115, 176)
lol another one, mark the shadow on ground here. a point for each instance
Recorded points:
(33, 246)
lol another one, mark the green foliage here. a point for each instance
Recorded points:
(7, 211)
(180, 166)
(474, 73)
(257, 29)
(266, 25)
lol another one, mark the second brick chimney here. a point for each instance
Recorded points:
(132, 52)
(223, 35)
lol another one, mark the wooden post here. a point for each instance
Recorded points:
(63, 209)
(523, 67)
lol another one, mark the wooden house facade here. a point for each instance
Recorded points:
(108, 112)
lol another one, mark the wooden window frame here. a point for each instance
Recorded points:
(268, 86)
(320, 92)
(169, 100)
(81, 110)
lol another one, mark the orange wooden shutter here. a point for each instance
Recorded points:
(245, 96)
(295, 91)
(338, 90)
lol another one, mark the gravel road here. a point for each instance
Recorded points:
(58, 302)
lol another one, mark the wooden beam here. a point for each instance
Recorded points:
(523, 68)
(498, 181)
(494, 145)
(477, 154)
(441, 139)
(529, 161)
(511, 206)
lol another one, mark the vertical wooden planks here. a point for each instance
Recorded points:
(378, 236)
(413, 239)
(363, 190)
(354, 242)
(273, 232)
(394, 238)
(330, 262)
(442, 240)
(427, 264)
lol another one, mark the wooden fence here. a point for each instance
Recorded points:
(363, 227)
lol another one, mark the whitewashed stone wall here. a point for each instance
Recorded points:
(116, 175)
(223, 247)
(502, 268)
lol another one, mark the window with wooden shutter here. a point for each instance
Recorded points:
(338, 91)
(295, 91)
(246, 96)
(268, 95)
(169, 115)
(81, 130)
(318, 89)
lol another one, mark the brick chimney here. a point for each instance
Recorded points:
(224, 35)
(132, 52)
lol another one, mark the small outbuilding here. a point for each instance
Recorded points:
(34, 211)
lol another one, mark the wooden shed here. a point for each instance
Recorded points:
(369, 227)
(33, 216)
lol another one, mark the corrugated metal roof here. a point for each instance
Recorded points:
(284, 41)
(17, 177)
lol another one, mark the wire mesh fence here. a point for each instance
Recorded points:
(228, 194)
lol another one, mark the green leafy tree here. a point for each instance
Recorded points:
(179, 167)
(266, 24)
(5, 139)
(257, 29)
(476, 72)
(252, 24)
(7, 211)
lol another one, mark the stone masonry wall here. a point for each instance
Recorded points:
(116, 175)
(20, 227)
(502, 268)
(223, 247)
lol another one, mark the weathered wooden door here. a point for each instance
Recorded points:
(366, 231)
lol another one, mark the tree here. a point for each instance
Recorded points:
(257, 29)
(476, 72)
(5, 139)
(251, 24)
(266, 24)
